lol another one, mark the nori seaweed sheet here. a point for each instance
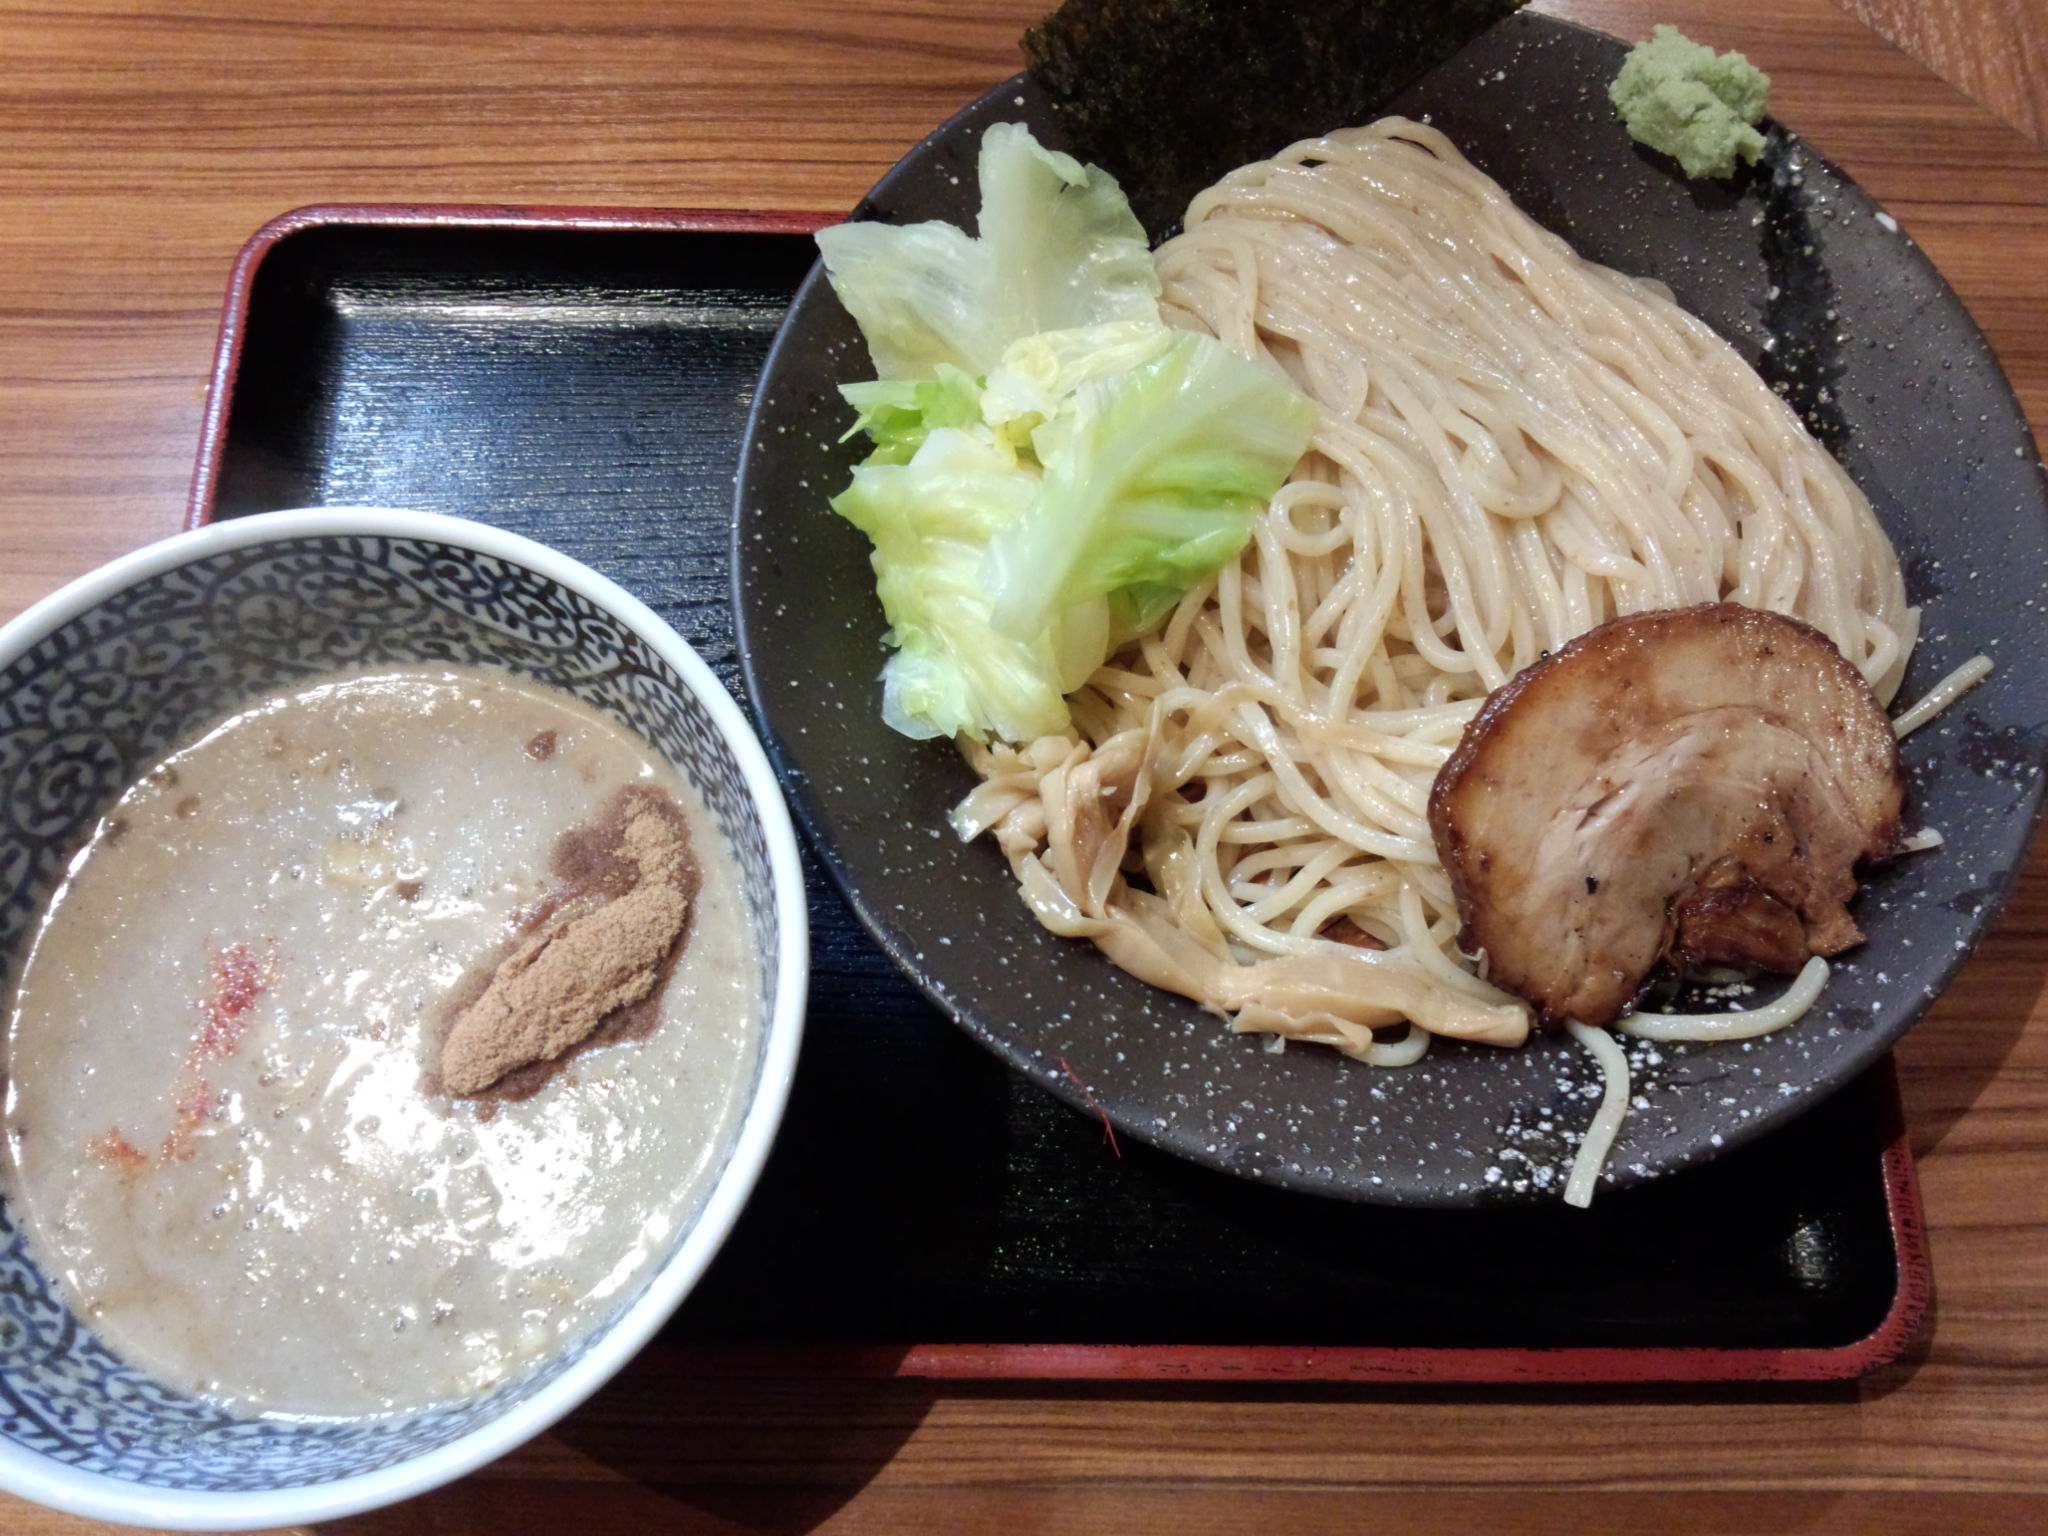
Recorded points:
(1167, 95)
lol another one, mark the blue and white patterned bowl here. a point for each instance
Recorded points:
(121, 665)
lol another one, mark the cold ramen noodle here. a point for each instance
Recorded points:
(1508, 447)
(378, 1043)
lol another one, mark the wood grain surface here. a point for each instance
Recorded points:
(1997, 50)
(141, 143)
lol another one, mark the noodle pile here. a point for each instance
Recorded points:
(1515, 445)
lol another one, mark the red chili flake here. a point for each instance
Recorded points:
(113, 1148)
(238, 980)
(1108, 1130)
(195, 1103)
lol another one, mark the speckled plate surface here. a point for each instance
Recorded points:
(1815, 285)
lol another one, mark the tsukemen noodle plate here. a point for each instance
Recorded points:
(1833, 303)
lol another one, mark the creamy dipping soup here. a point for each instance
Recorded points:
(229, 1137)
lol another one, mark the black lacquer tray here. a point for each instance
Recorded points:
(583, 377)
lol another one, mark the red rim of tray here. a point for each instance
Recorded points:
(1107, 1362)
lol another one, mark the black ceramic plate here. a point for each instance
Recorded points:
(1816, 286)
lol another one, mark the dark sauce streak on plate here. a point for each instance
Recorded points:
(1802, 360)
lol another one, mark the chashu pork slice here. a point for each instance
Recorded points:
(1694, 785)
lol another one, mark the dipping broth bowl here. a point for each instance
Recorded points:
(105, 676)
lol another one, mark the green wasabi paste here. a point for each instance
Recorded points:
(1687, 101)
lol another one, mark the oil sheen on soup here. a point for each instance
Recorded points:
(227, 1139)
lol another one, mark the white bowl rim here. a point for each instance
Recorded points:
(94, 1495)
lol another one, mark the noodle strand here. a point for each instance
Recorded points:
(1514, 445)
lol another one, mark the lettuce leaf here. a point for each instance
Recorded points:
(1058, 249)
(897, 414)
(1053, 467)
(1152, 491)
(1064, 248)
(931, 520)
(1049, 378)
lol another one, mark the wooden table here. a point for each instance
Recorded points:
(139, 145)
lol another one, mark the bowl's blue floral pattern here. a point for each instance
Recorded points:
(87, 708)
